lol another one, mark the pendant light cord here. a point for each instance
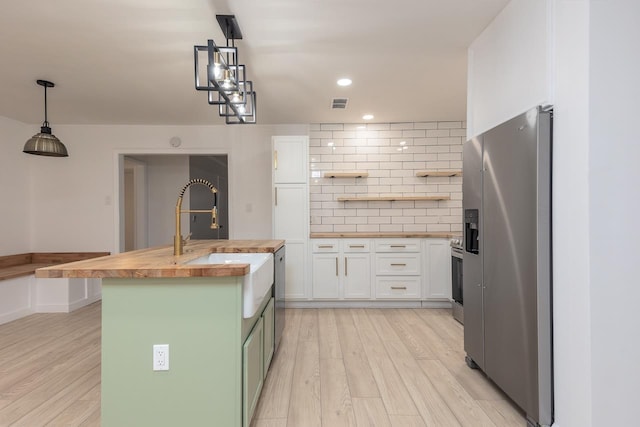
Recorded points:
(46, 121)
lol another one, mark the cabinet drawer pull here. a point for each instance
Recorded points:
(356, 246)
(398, 265)
(275, 159)
(325, 246)
(398, 246)
(336, 266)
(399, 287)
(276, 196)
(345, 266)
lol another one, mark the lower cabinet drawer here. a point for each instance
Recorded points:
(398, 287)
(398, 264)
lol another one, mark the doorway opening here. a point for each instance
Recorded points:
(150, 185)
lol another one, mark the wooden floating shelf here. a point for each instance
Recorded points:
(439, 173)
(391, 198)
(345, 174)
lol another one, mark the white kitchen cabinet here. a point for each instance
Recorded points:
(291, 210)
(381, 269)
(341, 269)
(437, 281)
(290, 159)
(398, 269)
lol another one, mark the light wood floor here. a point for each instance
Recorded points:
(335, 367)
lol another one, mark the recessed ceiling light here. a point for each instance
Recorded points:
(344, 82)
(367, 117)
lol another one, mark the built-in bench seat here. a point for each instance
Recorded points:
(12, 266)
(21, 293)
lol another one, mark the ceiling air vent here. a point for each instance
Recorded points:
(339, 103)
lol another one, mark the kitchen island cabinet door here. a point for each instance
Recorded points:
(268, 342)
(252, 371)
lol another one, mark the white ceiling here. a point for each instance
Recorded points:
(131, 61)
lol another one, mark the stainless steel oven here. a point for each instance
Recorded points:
(456, 280)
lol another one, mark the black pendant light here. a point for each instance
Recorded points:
(45, 143)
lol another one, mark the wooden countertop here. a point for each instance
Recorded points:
(444, 235)
(12, 266)
(160, 261)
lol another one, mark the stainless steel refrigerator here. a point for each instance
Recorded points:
(507, 260)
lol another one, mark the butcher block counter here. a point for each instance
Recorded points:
(160, 261)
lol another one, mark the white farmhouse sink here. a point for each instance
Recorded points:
(255, 284)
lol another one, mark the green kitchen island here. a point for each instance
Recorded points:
(217, 359)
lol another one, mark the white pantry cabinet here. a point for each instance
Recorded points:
(290, 159)
(341, 269)
(291, 210)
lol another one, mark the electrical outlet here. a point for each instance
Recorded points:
(161, 357)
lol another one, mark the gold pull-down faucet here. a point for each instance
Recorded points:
(178, 241)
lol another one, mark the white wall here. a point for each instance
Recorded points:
(166, 177)
(593, 87)
(510, 65)
(74, 199)
(15, 185)
(570, 218)
(614, 203)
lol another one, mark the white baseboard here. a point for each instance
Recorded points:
(15, 315)
(367, 304)
(84, 302)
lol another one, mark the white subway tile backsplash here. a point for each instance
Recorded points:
(449, 125)
(391, 181)
(419, 133)
(378, 157)
(344, 212)
(391, 228)
(378, 126)
(437, 133)
(401, 126)
(332, 126)
(438, 149)
(344, 134)
(438, 227)
(427, 220)
(415, 212)
(450, 141)
(332, 220)
(390, 134)
(392, 166)
(317, 228)
(391, 153)
(356, 220)
(355, 158)
(367, 228)
(414, 228)
(425, 125)
(403, 220)
(449, 156)
(344, 228)
(379, 220)
(320, 134)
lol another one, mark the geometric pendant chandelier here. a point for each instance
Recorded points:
(223, 77)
